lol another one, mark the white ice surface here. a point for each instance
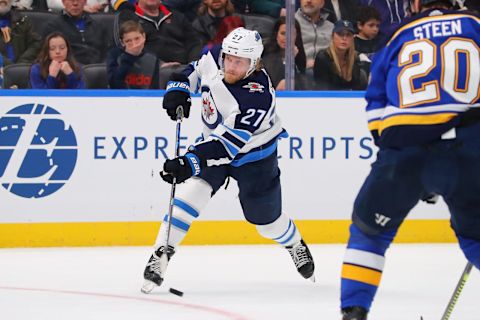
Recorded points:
(224, 282)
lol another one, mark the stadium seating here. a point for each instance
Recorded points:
(17, 76)
(95, 76)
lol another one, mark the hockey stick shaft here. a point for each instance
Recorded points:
(174, 182)
(458, 290)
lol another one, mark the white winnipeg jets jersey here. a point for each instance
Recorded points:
(240, 122)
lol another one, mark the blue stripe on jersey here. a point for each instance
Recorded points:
(255, 155)
(185, 207)
(354, 293)
(227, 135)
(178, 223)
(233, 150)
(288, 228)
(245, 135)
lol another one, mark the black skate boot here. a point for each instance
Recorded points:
(354, 313)
(155, 269)
(303, 260)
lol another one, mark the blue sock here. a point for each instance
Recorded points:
(363, 266)
(471, 249)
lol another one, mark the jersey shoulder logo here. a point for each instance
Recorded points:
(254, 87)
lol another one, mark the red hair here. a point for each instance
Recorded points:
(228, 24)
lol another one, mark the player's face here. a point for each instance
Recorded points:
(235, 68)
(57, 49)
(74, 7)
(134, 42)
(282, 36)
(369, 29)
(343, 40)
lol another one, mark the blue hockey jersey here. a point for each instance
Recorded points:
(425, 77)
(240, 120)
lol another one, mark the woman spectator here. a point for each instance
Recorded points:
(56, 68)
(131, 67)
(338, 66)
(274, 56)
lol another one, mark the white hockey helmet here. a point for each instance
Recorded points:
(244, 43)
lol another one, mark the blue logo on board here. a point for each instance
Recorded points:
(38, 151)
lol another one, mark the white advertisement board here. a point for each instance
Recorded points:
(97, 158)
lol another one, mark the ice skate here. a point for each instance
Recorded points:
(156, 267)
(354, 313)
(303, 260)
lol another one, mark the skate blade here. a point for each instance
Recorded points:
(312, 278)
(148, 286)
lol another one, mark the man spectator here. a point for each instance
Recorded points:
(89, 39)
(391, 11)
(316, 29)
(18, 41)
(273, 8)
(341, 10)
(210, 15)
(170, 36)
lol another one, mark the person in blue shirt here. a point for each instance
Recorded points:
(423, 109)
(56, 68)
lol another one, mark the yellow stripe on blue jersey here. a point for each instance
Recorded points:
(426, 75)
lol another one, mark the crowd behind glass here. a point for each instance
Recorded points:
(127, 44)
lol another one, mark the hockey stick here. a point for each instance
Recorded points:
(174, 182)
(458, 290)
(164, 257)
(163, 261)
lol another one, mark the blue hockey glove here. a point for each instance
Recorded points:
(181, 168)
(178, 94)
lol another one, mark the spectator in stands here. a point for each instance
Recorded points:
(392, 12)
(187, 7)
(273, 8)
(92, 6)
(130, 67)
(337, 67)
(472, 5)
(210, 15)
(369, 39)
(341, 10)
(274, 56)
(18, 41)
(316, 29)
(87, 37)
(227, 25)
(56, 68)
(170, 36)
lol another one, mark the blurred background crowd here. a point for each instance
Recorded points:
(128, 44)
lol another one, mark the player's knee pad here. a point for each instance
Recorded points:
(471, 249)
(361, 238)
(283, 230)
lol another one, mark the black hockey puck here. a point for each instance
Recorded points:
(176, 292)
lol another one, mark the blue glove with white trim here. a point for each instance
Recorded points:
(181, 168)
(178, 94)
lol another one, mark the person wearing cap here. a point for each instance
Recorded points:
(338, 66)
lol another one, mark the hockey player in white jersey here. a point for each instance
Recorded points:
(241, 131)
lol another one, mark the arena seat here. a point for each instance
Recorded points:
(17, 75)
(263, 24)
(38, 19)
(95, 76)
